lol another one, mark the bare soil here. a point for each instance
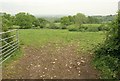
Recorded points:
(51, 61)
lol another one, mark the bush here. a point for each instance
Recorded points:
(73, 28)
(108, 65)
(15, 27)
(63, 26)
(47, 25)
(94, 27)
(53, 26)
(5, 27)
(107, 55)
(91, 27)
(83, 28)
(103, 27)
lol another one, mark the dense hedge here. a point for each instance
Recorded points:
(107, 55)
(6, 24)
(89, 27)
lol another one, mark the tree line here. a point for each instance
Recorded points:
(79, 19)
(24, 20)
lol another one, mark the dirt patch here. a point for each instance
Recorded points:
(51, 61)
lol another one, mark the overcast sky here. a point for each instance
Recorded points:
(60, 7)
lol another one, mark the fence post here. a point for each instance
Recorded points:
(17, 34)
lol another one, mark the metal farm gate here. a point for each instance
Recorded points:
(9, 43)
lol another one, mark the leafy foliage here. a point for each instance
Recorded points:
(108, 66)
(93, 20)
(6, 24)
(40, 23)
(105, 19)
(53, 26)
(77, 19)
(89, 27)
(6, 21)
(24, 20)
(67, 20)
(110, 49)
(73, 28)
(80, 19)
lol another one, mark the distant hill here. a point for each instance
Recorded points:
(50, 18)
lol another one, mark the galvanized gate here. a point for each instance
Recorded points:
(9, 43)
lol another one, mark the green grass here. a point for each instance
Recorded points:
(16, 55)
(42, 36)
(91, 25)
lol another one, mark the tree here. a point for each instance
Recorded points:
(67, 20)
(93, 20)
(24, 20)
(6, 21)
(80, 19)
(71, 20)
(40, 22)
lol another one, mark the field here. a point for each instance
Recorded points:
(47, 53)
(91, 25)
(42, 36)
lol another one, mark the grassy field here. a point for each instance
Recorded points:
(40, 37)
(91, 25)
(87, 40)
(43, 46)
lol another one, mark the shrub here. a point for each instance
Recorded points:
(83, 28)
(5, 27)
(108, 66)
(73, 28)
(103, 27)
(53, 26)
(15, 27)
(63, 26)
(107, 55)
(91, 27)
(47, 25)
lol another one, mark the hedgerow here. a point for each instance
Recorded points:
(107, 55)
